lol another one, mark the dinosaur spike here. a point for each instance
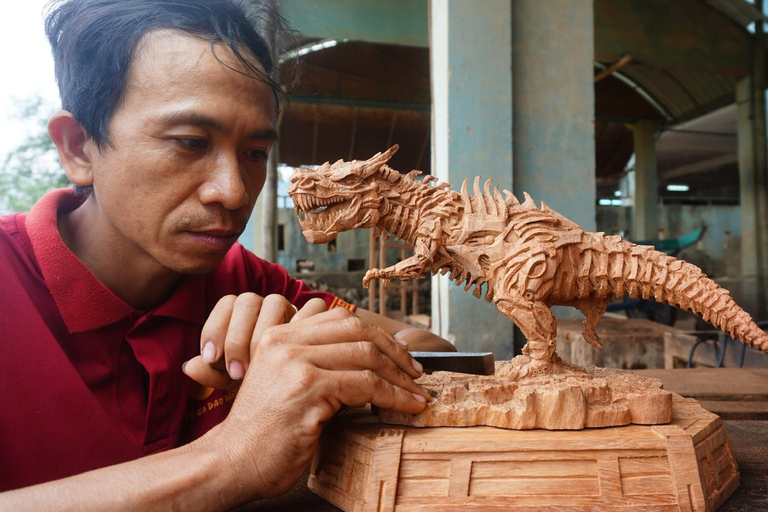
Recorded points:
(465, 196)
(478, 204)
(544, 207)
(501, 207)
(411, 175)
(529, 203)
(489, 206)
(511, 199)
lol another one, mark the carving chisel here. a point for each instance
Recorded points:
(477, 363)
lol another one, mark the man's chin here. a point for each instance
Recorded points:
(197, 266)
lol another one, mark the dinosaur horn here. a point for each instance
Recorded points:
(376, 161)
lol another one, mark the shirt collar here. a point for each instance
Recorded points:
(84, 302)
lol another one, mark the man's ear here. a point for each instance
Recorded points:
(75, 147)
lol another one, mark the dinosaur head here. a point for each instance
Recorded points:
(340, 197)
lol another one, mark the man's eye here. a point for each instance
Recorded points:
(193, 143)
(257, 155)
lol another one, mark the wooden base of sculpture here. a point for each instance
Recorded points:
(363, 465)
(569, 397)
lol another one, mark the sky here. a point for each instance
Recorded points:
(26, 67)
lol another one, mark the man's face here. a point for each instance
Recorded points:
(191, 139)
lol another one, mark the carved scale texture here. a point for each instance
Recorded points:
(525, 254)
(608, 266)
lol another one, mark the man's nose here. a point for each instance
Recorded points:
(225, 184)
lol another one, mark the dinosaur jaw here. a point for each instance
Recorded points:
(321, 219)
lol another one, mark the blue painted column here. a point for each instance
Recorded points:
(554, 105)
(513, 100)
(471, 59)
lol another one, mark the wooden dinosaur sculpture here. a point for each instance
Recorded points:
(527, 258)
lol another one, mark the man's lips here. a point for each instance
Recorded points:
(218, 239)
(218, 232)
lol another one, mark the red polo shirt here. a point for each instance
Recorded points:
(86, 381)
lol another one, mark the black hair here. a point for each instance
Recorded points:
(94, 41)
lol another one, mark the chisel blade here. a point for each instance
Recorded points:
(477, 363)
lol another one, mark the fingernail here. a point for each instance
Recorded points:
(209, 352)
(400, 341)
(424, 389)
(236, 370)
(420, 398)
(417, 365)
(184, 368)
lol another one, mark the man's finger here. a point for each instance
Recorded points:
(275, 310)
(237, 343)
(311, 308)
(356, 388)
(350, 328)
(361, 356)
(207, 375)
(215, 329)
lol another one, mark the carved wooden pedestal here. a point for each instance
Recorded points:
(363, 465)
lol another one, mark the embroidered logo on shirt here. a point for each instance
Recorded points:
(338, 303)
(198, 391)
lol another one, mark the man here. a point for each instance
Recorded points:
(113, 294)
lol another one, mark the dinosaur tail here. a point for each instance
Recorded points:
(651, 274)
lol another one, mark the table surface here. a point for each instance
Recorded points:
(739, 395)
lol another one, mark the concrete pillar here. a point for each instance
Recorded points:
(471, 61)
(646, 193)
(494, 62)
(753, 192)
(554, 106)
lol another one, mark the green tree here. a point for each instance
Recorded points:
(32, 168)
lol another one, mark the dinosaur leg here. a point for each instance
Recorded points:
(538, 324)
(593, 310)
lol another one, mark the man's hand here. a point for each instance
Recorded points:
(237, 322)
(300, 374)
(294, 370)
(231, 333)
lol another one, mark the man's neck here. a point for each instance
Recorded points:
(130, 273)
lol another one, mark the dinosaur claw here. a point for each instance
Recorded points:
(369, 276)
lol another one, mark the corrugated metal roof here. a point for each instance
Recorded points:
(683, 93)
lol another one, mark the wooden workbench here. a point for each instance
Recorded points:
(740, 396)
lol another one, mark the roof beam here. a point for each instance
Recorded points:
(704, 165)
